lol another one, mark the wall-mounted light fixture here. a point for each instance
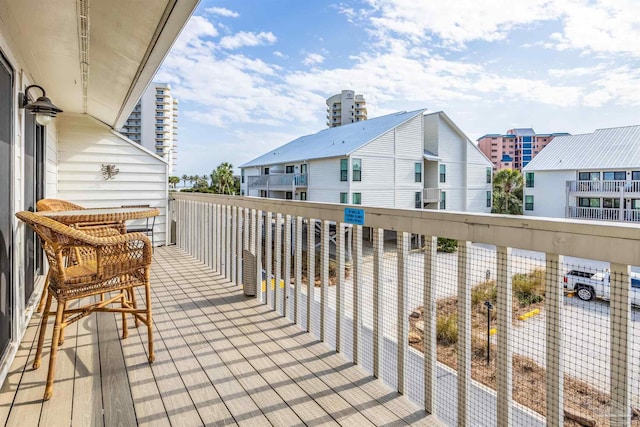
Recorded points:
(43, 108)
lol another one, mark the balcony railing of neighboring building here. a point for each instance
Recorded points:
(276, 180)
(390, 303)
(431, 195)
(603, 186)
(604, 214)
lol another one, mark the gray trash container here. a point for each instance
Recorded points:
(249, 273)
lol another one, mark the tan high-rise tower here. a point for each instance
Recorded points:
(345, 108)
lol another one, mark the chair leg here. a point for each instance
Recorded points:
(124, 304)
(45, 291)
(57, 327)
(147, 291)
(132, 297)
(43, 330)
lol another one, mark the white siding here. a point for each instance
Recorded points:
(84, 144)
(381, 146)
(431, 133)
(324, 183)
(451, 145)
(408, 139)
(549, 193)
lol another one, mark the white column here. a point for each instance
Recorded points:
(234, 243)
(504, 363)
(269, 260)
(239, 243)
(311, 267)
(324, 276)
(219, 239)
(429, 318)
(298, 270)
(279, 297)
(340, 284)
(227, 243)
(620, 329)
(378, 331)
(287, 265)
(555, 368)
(402, 241)
(464, 333)
(356, 275)
(258, 252)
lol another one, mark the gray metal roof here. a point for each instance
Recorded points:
(603, 149)
(523, 131)
(333, 142)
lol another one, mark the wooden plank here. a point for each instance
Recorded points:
(505, 326)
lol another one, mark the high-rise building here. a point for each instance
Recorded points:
(514, 149)
(344, 108)
(154, 123)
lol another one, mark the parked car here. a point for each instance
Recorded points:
(589, 284)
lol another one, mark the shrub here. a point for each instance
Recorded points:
(447, 245)
(447, 329)
(528, 288)
(485, 291)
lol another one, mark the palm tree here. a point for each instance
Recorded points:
(222, 179)
(185, 178)
(507, 192)
(174, 180)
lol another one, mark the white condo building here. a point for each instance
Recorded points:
(154, 123)
(406, 160)
(346, 107)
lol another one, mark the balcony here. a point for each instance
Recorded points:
(277, 181)
(602, 188)
(604, 214)
(431, 195)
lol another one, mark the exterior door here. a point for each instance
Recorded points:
(33, 191)
(6, 202)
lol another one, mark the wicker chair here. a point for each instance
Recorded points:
(121, 263)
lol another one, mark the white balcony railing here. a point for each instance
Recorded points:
(431, 195)
(277, 180)
(416, 318)
(603, 186)
(604, 214)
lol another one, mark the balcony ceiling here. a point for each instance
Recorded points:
(127, 41)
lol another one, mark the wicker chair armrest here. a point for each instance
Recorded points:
(123, 254)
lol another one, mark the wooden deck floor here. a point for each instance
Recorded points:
(221, 359)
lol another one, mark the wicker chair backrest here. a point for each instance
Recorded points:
(56, 205)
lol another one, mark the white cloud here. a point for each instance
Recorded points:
(279, 54)
(313, 59)
(221, 11)
(243, 39)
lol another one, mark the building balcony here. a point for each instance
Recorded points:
(604, 214)
(431, 195)
(604, 188)
(286, 181)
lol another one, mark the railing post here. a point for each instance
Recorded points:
(269, 260)
(218, 238)
(402, 241)
(429, 318)
(258, 251)
(464, 333)
(227, 243)
(378, 331)
(504, 363)
(287, 265)
(357, 292)
(340, 283)
(239, 243)
(279, 297)
(311, 273)
(234, 243)
(324, 277)
(555, 367)
(620, 327)
(298, 270)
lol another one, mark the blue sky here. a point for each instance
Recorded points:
(253, 75)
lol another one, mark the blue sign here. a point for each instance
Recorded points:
(354, 216)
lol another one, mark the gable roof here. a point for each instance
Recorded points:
(523, 131)
(602, 149)
(333, 142)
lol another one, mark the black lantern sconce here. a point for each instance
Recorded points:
(43, 108)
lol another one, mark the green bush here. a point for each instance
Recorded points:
(447, 329)
(528, 288)
(485, 291)
(447, 245)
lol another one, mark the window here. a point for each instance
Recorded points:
(159, 121)
(288, 195)
(159, 99)
(242, 176)
(589, 202)
(356, 174)
(418, 172)
(418, 200)
(635, 204)
(242, 192)
(159, 129)
(344, 170)
(529, 180)
(443, 200)
(488, 175)
(356, 198)
(303, 168)
(611, 203)
(588, 176)
(159, 135)
(614, 176)
(263, 193)
(488, 199)
(303, 195)
(266, 171)
(343, 198)
(443, 173)
(528, 203)
(289, 169)
(635, 175)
